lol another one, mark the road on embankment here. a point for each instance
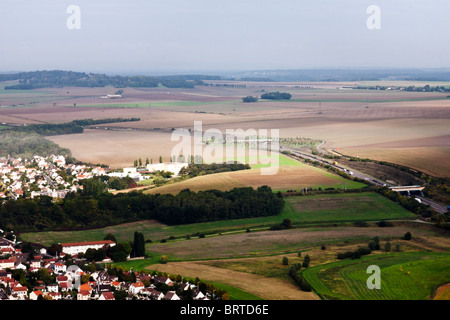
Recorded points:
(357, 174)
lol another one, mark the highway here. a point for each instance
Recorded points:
(436, 206)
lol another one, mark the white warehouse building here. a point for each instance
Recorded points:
(77, 247)
(173, 167)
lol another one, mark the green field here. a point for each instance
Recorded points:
(347, 207)
(404, 276)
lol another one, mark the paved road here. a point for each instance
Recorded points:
(436, 206)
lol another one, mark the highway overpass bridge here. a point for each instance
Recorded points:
(407, 189)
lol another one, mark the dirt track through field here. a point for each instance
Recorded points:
(264, 287)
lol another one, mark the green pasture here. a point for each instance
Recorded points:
(404, 276)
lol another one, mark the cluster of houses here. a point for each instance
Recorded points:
(42, 176)
(53, 177)
(100, 285)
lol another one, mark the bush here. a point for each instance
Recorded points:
(163, 260)
(250, 99)
(323, 247)
(361, 224)
(384, 224)
(297, 276)
(407, 236)
(355, 254)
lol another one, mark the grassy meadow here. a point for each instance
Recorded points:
(404, 276)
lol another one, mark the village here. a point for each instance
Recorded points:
(64, 276)
(53, 177)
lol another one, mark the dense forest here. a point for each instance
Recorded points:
(59, 78)
(93, 208)
(29, 144)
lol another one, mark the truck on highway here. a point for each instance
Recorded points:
(418, 200)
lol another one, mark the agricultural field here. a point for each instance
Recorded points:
(301, 210)
(408, 128)
(347, 207)
(291, 175)
(404, 276)
(354, 121)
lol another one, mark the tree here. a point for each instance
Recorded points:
(306, 261)
(138, 245)
(110, 236)
(140, 161)
(387, 247)
(147, 161)
(160, 159)
(135, 163)
(407, 236)
(163, 259)
(250, 99)
(285, 261)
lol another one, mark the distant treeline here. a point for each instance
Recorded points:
(91, 208)
(59, 78)
(426, 88)
(76, 126)
(28, 144)
(194, 170)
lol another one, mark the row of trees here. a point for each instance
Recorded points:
(76, 126)
(193, 170)
(59, 78)
(92, 207)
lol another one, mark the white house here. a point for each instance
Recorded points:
(136, 287)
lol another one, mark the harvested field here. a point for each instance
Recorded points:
(361, 121)
(434, 161)
(443, 292)
(287, 178)
(271, 242)
(116, 148)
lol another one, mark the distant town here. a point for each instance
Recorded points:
(53, 177)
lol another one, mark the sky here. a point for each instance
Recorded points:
(187, 36)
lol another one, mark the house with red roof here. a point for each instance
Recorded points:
(34, 295)
(83, 295)
(136, 287)
(107, 296)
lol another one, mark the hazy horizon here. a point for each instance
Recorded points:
(173, 36)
